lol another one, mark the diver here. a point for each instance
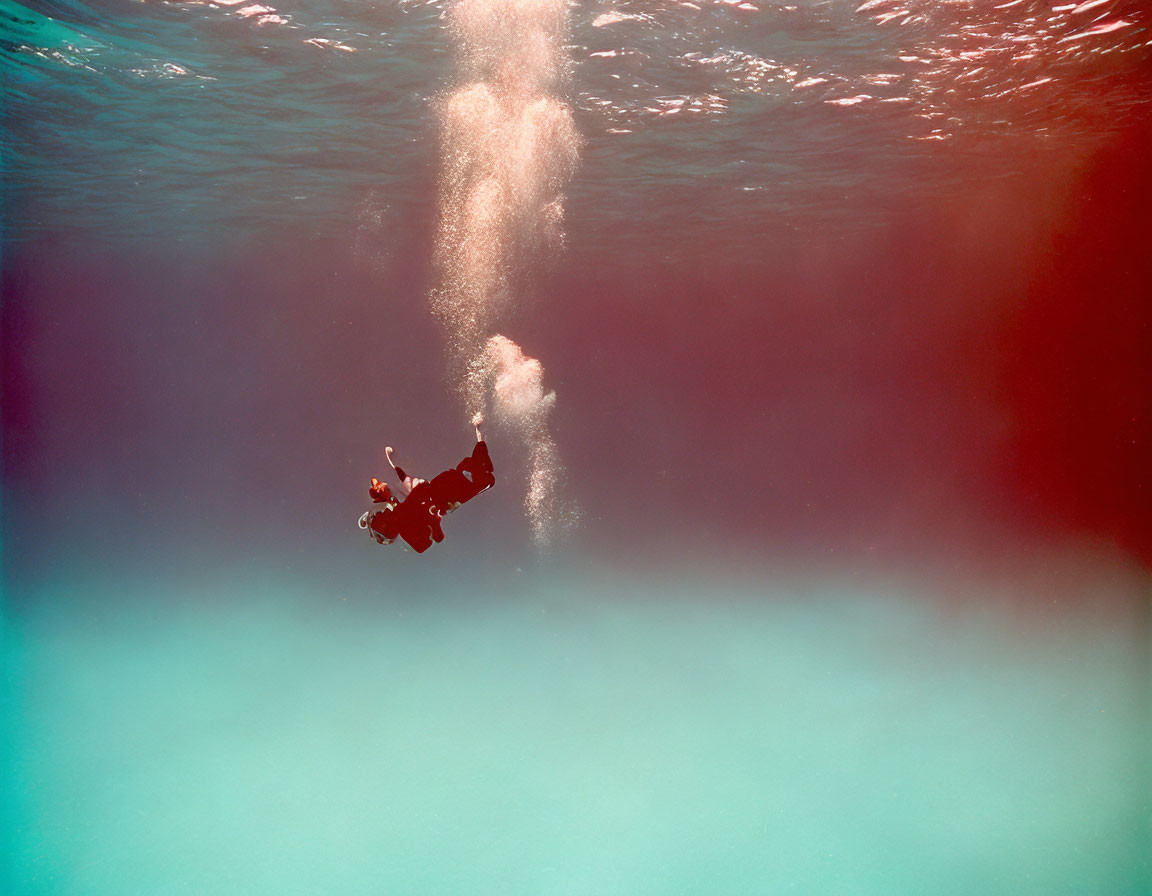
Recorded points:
(416, 519)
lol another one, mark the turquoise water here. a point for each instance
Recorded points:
(259, 736)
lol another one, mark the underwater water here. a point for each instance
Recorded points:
(253, 734)
(811, 341)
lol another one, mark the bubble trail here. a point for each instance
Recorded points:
(509, 147)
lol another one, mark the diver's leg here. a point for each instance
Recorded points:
(477, 469)
(481, 462)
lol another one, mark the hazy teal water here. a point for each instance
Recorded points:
(255, 736)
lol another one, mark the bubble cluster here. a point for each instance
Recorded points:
(520, 404)
(510, 146)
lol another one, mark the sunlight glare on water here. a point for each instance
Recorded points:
(183, 113)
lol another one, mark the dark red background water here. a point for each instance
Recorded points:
(967, 384)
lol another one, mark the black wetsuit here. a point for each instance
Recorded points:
(472, 475)
(417, 518)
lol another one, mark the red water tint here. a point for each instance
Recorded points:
(1078, 362)
(970, 382)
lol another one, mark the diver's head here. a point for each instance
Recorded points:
(369, 517)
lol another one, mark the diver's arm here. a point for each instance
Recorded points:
(406, 482)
